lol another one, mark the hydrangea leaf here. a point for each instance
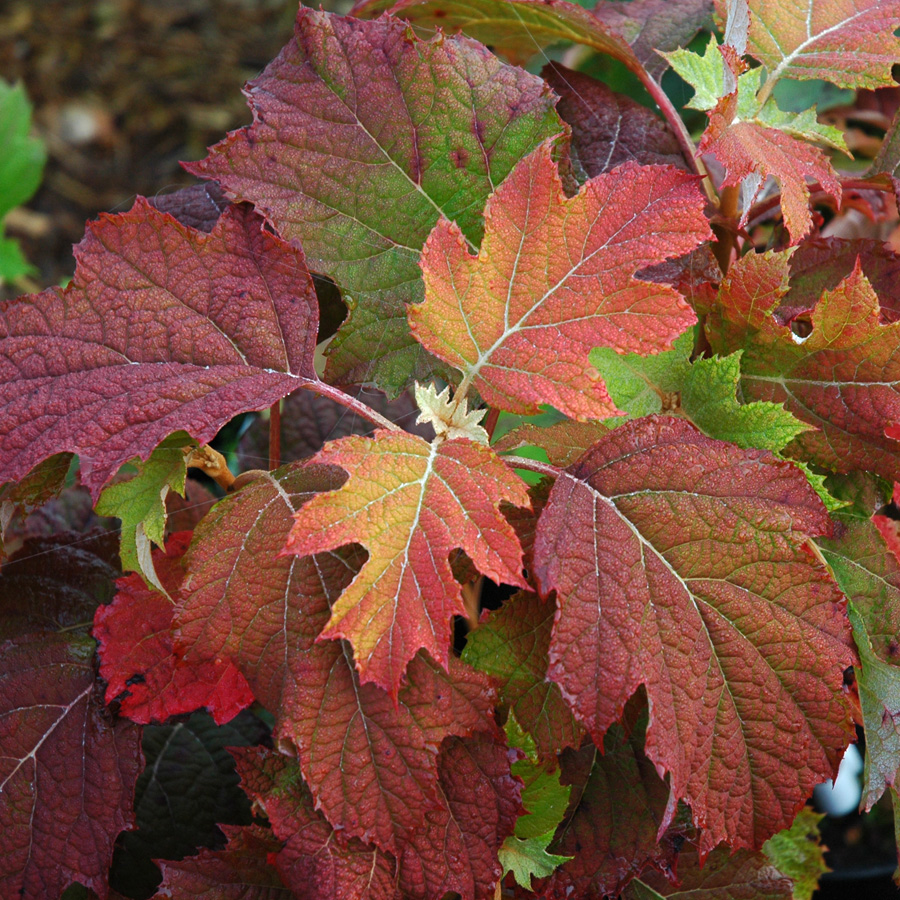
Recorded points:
(139, 500)
(850, 43)
(516, 28)
(821, 264)
(457, 850)
(797, 852)
(371, 763)
(188, 787)
(239, 872)
(315, 861)
(511, 646)
(410, 503)
(608, 128)
(651, 26)
(721, 876)
(869, 574)
(198, 326)
(705, 74)
(543, 797)
(705, 390)
(555, 278)
(643, 385)
(67, 774)
(524, 853)
(363, 136)
(752, 151)
(528, 858)
(672, 553)
(709, 399)
(138, 659)
(617, 807)
(839, 373)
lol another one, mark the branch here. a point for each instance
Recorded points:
(533, 465)
(336, 394)
(760, 210)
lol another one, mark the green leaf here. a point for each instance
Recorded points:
(21, 157)
(12, 263)
(524, 853)
(544, 798)
(638, 384)
(798, 853)
(140, 502)
(709, 398)
(529, 858)
(705, 74)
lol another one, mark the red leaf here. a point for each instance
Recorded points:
(457, 848)
(137, 654)
(680, 563)
(67, 773)
(372, 763)
(316, 862)
(848, 42)
(554, 279)
(239, 872)
(749, 150)
(162, 328)
(839, 373)
(617, 805)
(410, 503)
(722, 876)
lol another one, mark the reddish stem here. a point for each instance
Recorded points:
(760, 210)
(336, 394)
(275, 435)
(490, 423)
(533, 465)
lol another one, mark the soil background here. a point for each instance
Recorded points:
(122, 90)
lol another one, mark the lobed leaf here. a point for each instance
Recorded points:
(315, 861)
(680, 563)
(139, 501)
(363, 136)
(138, 660)
(839, 373)
(410, 503)
(850, 43)
(609, 129)
(370, 762)
(555, 278)
(162, 328)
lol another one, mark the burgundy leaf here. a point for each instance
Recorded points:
(67, 772)
(162, 328)
(680, 563)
